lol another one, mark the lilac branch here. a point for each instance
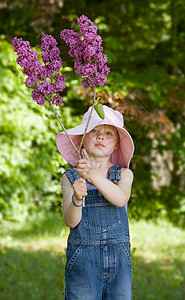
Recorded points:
(39, 74)
(90, 63)
(64, 129)
(88, 120)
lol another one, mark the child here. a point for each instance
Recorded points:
(98, 252)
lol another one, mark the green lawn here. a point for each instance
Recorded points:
(158, 261)
(32, 259)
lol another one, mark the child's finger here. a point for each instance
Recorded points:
(82, 165)
(80, 181)
(81, 161)
(83, 181)
(85, 154)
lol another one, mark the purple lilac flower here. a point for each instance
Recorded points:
(59, 82)
(50, 55)
(48, 42)
(73, 39)
(17, 43)
(46, 87)
(41, 76)
(90, 62)
(31, 80)
(57, 99)
(38, 97)
(27, 59)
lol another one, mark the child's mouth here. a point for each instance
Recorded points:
(99, 145)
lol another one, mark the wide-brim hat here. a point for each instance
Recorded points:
(121, 155)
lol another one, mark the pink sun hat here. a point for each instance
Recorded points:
(122, 154)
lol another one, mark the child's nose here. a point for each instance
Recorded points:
(100, 136)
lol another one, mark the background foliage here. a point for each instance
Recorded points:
(144, 41)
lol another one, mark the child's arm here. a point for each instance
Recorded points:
(116, 194)
(72, 214)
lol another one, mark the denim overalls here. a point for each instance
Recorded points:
(98, 252)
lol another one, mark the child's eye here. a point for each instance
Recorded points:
(109, 133)
(93, 130)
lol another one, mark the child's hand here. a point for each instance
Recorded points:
(80, 188)
(85, 166)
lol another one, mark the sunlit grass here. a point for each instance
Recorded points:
(158, 260)
(32, 259)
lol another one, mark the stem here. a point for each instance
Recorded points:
(83, 198)
(88, 120)
(78, 152)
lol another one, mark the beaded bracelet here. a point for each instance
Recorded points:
(74, 202)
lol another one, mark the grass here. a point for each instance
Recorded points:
(32, 259)
(158, 261)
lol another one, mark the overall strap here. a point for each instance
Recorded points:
(114, 173)
(72, 175)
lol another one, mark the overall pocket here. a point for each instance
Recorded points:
(126, 248)
(73, 254)
(101, 217)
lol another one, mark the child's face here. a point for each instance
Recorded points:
(101, 141)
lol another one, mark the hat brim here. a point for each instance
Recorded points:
(121, 156)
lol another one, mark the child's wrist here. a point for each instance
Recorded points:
(75, 199)
(92, 175)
